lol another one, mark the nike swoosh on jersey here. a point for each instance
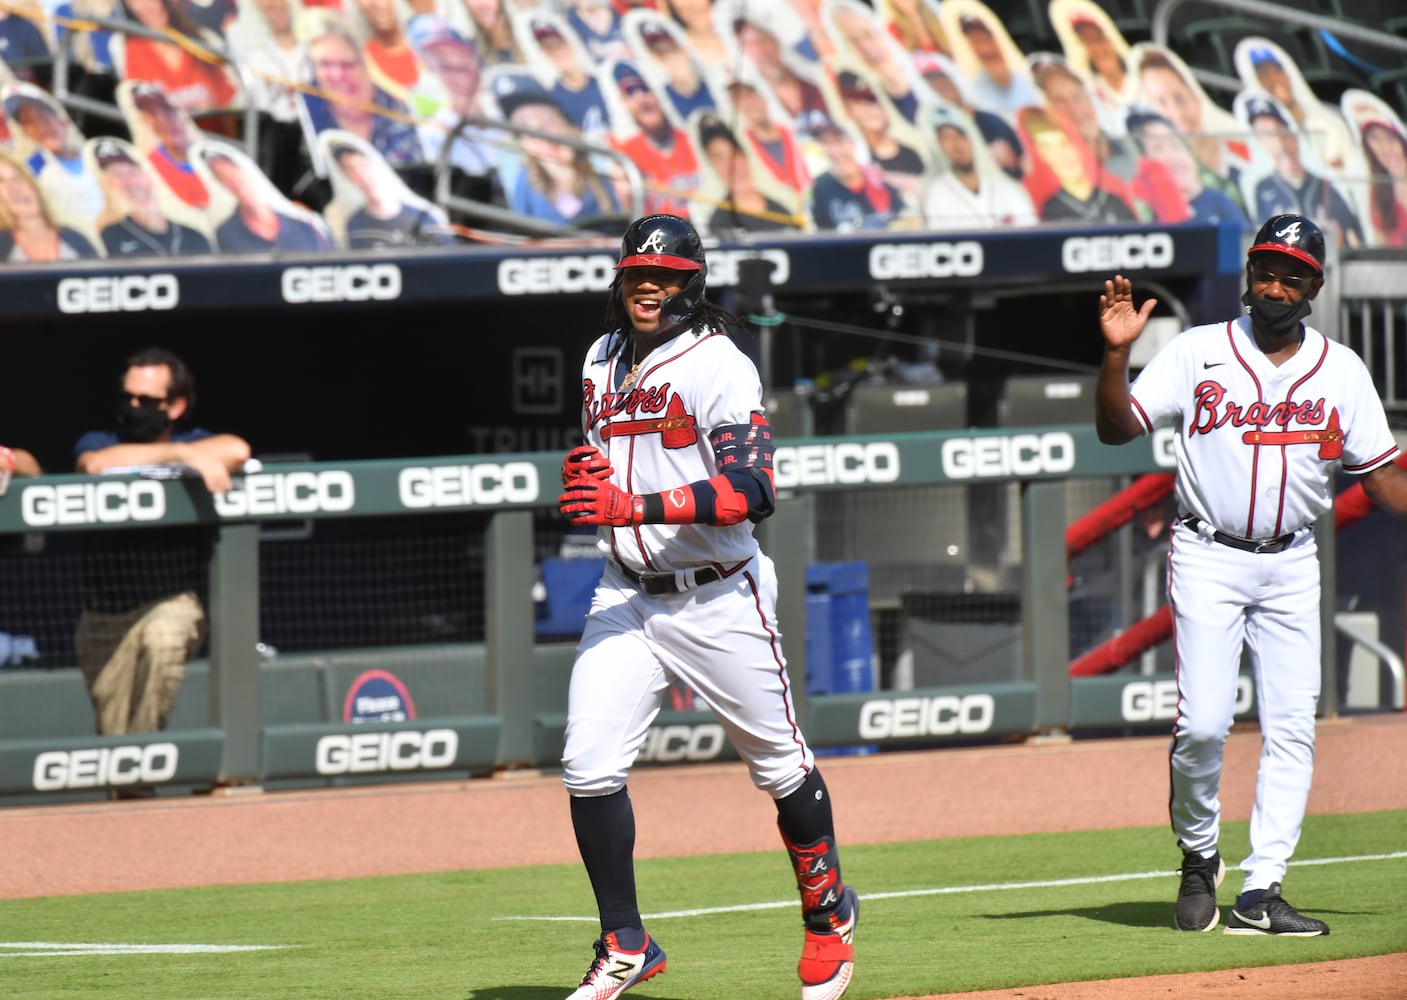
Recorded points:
(1212, 364)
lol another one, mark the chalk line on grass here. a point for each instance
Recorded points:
(955, 889)
(62, 949)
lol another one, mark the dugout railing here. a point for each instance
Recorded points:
(251, 717)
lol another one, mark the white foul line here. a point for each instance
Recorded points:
(50, 949)
(950, 890)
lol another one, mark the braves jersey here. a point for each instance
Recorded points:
(1257, 444)
(657, 433)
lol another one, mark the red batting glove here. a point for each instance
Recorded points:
(599, 501)
(585, 460)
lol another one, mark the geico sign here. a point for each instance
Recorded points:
(945, 715)
(724, 270)
(822, 464)
(962, 259)
(148, 764)
(369, 753)
(468, 485)
(533, 275)
(92, 503)
(129, 293)
(1017, 455)
(341, 283)
(667, 744)
(1135, 252)
(1151, 701)
(288, 493)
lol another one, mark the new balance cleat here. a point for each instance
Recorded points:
(1196, 897)
(828, 954)
(616, 970)
(1272, 915)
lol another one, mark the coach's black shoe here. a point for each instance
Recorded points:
(1272, 915)
(1196, 898)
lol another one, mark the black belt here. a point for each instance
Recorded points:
(670, 583)
(1276, 544)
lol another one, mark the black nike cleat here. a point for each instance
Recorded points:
(1196, 897)
(1272, 915)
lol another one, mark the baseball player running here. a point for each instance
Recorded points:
(1266, 408)
(676, 469)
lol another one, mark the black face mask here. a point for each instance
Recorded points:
(142, 424)
(1275, 318)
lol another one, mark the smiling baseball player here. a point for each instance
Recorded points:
(676, 469)
(1266, 410)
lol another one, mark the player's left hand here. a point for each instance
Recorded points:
(600, 501)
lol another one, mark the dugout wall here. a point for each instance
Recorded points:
(270, 718)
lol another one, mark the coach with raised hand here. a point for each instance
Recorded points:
(1266, 410)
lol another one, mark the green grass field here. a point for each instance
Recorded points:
(936, 916)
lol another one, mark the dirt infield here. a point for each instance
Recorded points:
(1086, 785)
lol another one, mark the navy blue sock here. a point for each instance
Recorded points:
(605, 836)
(1249, 899)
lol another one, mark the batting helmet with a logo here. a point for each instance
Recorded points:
(1293, 235)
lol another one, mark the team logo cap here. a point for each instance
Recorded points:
(1293, 235)
(662, 241)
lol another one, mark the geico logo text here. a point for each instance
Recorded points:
(926, 260)
(484, 484)
(1134, 252)
(368, 753)
(92, 503)
(1017, 455)
(849, 462)
(128, 293)
(288, 493)
(532, 275)
(342, 283)
(945, 715)
(724, 270)
(666, 744)
(148, 764)
(1153, 701)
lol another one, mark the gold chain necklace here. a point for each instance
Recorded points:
(634, 372)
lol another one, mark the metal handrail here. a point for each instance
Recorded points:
(1162, 22)
(110, 112)
(1384, 653)
(502, 216)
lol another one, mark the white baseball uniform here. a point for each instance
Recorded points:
(1257, 446)
(720, 637)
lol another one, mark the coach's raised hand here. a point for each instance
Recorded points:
(1119, 321)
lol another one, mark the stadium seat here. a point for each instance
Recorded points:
(1133, 18)
(1036, 400)
(1210, 44)
(1391, 86)
(1028, 24)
